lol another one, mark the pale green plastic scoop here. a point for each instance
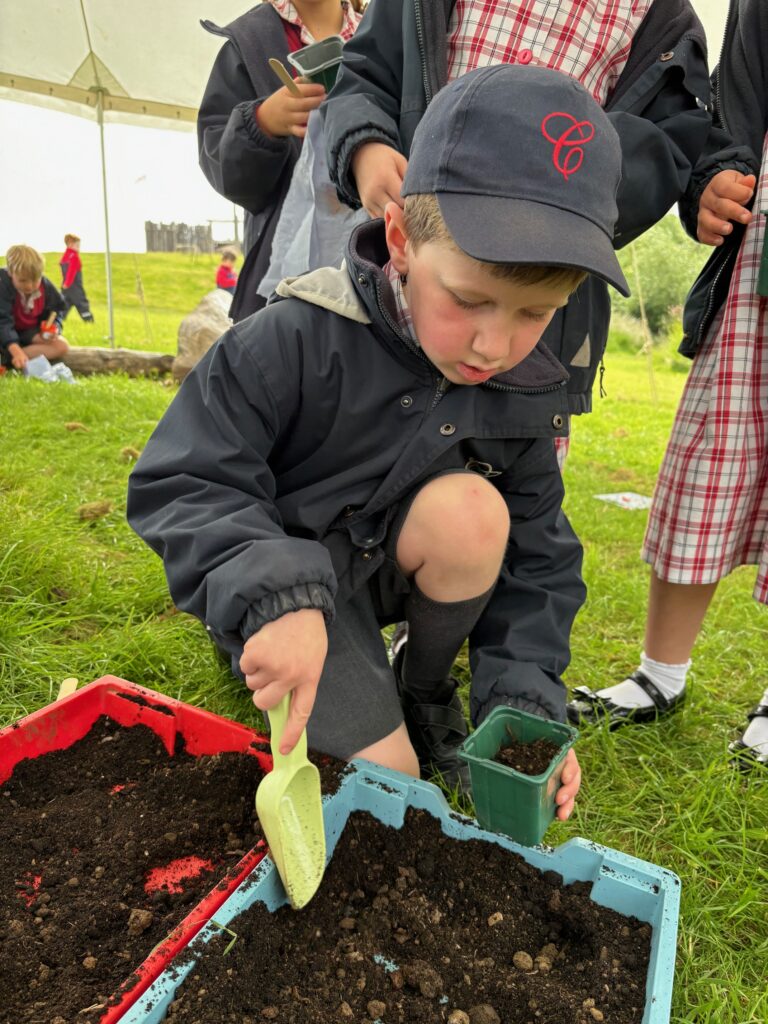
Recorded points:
(290, 809)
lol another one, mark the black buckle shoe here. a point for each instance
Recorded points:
(744, 757)
(588, 708)
(436, 731)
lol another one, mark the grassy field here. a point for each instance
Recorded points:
(172, 284)
(86, 597)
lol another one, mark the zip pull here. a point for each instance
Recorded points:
(762, 276)
(603, 392)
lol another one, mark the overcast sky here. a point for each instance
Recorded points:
(50, 177)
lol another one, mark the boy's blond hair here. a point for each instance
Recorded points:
(424, 223)
(69, 239)
(24, 262)
(229, 254)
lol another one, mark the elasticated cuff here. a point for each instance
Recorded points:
(293, 599)
(346, 190)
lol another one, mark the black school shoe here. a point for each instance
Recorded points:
(744, 757)
(436, 731)
(587, 708)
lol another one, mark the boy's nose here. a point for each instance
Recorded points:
(493, 346)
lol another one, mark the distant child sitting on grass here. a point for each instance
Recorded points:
(226, 278)
(27, 300)
(72, 287)
(377, 444)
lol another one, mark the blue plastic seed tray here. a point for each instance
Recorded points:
(626, 884)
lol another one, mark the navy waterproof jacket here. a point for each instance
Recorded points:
(269, 484)
(397, 61)
(740, 87)
(243, 163)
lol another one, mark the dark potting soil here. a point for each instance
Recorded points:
(412, 926)
(528, 758)
(80, 831)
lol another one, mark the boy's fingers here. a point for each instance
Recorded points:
(301, 708)
(565, 811)
(727, 209)
(269, 696)
(711, 224)
(311, 89)
(307, 104)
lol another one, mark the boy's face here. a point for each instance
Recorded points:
(26, 285)
(471, 325)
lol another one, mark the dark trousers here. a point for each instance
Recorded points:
(75, 296)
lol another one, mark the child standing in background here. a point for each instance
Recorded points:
(226, 278)
(249, 132)
(72, 288)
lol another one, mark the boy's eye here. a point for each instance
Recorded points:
(529, 314)
(462, 303)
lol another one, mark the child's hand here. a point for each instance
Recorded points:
(570, 781)
(378, 171)
(19, 357)
(283, 113)
(721, 202)
(287, 655)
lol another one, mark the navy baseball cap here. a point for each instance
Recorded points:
(525, 166)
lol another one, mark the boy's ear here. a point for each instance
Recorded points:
(397, 238)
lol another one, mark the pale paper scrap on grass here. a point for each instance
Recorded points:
(626, 499)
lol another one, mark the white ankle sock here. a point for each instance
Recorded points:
(670, 679)
(756, 733)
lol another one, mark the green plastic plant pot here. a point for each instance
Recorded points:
(519, 806)
(319, 62)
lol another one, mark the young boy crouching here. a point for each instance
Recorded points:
(377, 445)
(31, 310)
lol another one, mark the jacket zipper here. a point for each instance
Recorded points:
(704, 322)
(423, 51)
(494, 385)
(442, 386)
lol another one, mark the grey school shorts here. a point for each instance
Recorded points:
(357, 701)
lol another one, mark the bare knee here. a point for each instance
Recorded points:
(62, 347)
(394, 751)
(459, 514)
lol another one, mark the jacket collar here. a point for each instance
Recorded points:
(360, 291)
(366, 256)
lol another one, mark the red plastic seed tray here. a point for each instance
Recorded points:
(66, 721)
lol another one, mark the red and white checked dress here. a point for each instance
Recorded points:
(589, 40)
(710, 506)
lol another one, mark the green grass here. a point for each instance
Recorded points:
(88, 598)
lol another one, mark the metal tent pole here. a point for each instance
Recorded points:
(108, 254)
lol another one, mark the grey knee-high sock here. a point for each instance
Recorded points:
(436, 631)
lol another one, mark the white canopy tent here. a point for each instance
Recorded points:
(140, 62)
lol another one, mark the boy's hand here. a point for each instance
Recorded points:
(19, 357)
(378, 171)
(570, 781)
(721, 202)
(282, 113)
(287, 655)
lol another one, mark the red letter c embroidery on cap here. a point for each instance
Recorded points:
(569, 154)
